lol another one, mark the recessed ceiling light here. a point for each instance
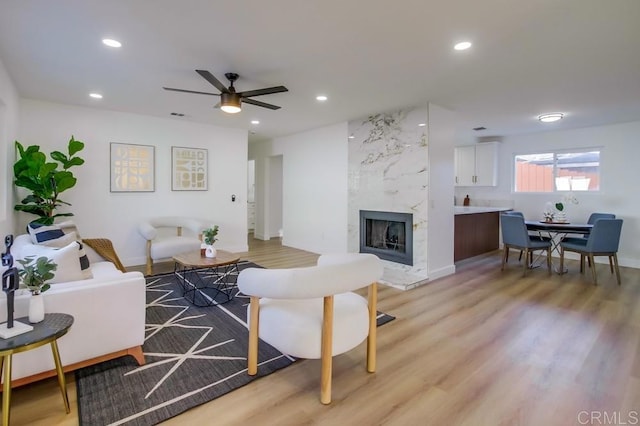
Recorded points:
(111, 42)
(95, 95)
(550, 118)
(255, 122)
(463, 45)
(321, 98)
(422, 124)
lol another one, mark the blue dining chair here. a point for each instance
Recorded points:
(603, 240)
(516, 236)
(535, 235)
(592, 219)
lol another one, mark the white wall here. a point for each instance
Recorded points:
(620, 174)
(9, 105)
(440, 218)
(314, 188)
(100, 213)
(275, 196)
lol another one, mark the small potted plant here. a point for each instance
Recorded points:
(209, 236)
(34, 275)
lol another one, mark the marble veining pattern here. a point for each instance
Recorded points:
(388, 171)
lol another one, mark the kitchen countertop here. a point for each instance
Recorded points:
(476, 209)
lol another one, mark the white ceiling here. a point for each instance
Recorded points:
(580, 57)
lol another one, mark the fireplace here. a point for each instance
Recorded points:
(388, 235)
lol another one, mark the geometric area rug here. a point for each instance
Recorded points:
(193, 355)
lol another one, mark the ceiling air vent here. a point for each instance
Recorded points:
(177, 114)
(477, 129)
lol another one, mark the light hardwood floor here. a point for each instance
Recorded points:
(480, 347)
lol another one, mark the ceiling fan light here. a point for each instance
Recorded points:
(230, 103)
(231, 109)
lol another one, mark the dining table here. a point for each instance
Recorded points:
(556, 231)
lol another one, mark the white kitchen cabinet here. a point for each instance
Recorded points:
(477, 165)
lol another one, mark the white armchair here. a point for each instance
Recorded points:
(168, 236)
(311, 312)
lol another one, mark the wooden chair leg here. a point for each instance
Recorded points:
(149, 260)
(505, 257)
(373, 327)
(326, 351)
(561, 259)
(549, 260)
(526, 263)
(254, 327)
(611, 263)
(520, 256)
(615, 262)
(593, 269)
(582, 263)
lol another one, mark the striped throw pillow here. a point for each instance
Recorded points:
(58, 236)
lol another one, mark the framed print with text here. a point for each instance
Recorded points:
(132, 168)
(189, 169)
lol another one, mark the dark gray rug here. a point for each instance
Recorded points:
(193, 354)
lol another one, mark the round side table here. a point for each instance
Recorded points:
(49, 330)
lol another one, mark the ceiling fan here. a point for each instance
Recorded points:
(230, 100)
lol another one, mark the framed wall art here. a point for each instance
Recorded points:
(189, 169)
(132, 168)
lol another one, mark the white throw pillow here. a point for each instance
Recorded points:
(66, 259)
(60, 235)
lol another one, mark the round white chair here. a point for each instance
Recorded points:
(312, 312)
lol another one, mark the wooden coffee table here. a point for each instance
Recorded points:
(207, 281)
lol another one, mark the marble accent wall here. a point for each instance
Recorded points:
(388, 161)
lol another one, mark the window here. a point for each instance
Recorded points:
(557, 171)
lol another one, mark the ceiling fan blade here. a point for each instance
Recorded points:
(260, 104)
(211, 79)
(191, 91)
(266, 91)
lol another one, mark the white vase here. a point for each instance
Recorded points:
(560, 216)
(210, 252)
(36, 308)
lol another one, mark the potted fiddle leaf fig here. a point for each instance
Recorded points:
(45, 178)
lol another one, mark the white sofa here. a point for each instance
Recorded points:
(109, 318)
(168, 236)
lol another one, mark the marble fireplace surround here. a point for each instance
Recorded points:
(388, 171)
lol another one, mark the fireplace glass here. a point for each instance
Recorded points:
(387, 235)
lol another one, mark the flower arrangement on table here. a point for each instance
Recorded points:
(567, 199)
(556, 212)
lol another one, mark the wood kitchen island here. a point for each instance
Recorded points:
(477, 231)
